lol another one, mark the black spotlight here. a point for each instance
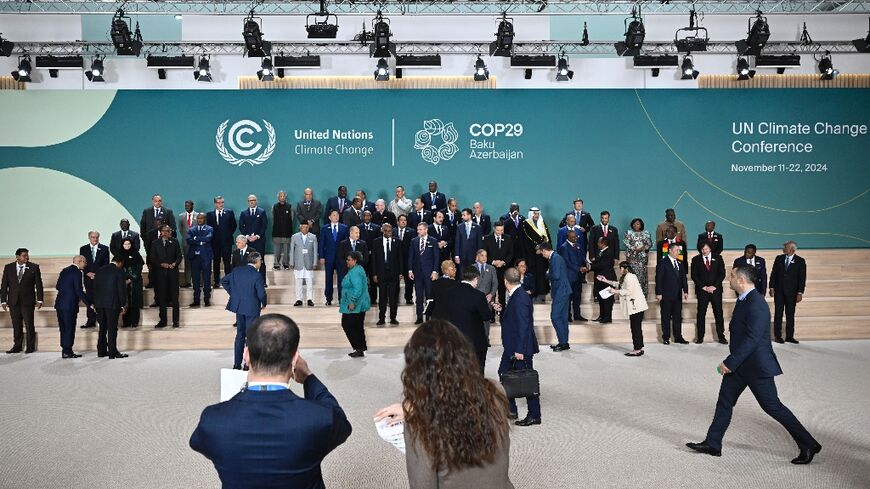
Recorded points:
(688, 69)
(527, 74)
(266, 72)
(826, 67)
(6, 47)
(22, 74)
(563, 71)
(634, 35)
(203, 71)
(481, 73)
(126, 43)
(320, 27)
(758, 34)
(743, 71)
(584, 40)
(256, 46)
(97, 73)
(381, 46)
(692, 38)
(862, 45)
(504, 38)
(382, 72)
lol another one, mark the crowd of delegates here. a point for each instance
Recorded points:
(404, 244)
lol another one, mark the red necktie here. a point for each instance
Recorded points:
(605, 231)
(189, 221)
(707, 260)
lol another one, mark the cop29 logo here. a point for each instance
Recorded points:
(436, 141)
(241, 148)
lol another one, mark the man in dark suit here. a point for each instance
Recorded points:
(96, 256)
(451, 215)
(751, 259)
(418, 215)
(671, 239)
(239, 256)
(519, 341)
(309, 209)
(481, 219)
(423, 266)
(469, 311)
(434, 200)
(602, 265)
(266, 436)
(353, 215)
(21, 292)
(110, 300)
(331, 235)
(150, 216)
(338, 203)
(712, 238)
(469, 239)
(386, 269)
(164, 260)
(604, 230)
(441, 291)
(672, 288)
(70, 291)
(560, 287)
(500, 253)
(404, 235)
(513, 227)
(575, 261)
(708, 272)
(223, 224)
(788, 279)
(199, 254)
(443, 236)
(368, 233)
(581, 217)
(752, 364)
(365, 204)
(124, 233)
(247, 292)
(570, 225)
(382, 215)
(348, 246)
(252, 224)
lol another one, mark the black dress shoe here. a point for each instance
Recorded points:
(175, 325)
(703, 447)
(160, 325)
(562, 347)
(409, 303)
(70, 355)
(393, 321)
(699, 342)
(276, 267)
(101, 354)
(185, 286)
(779, 340)
(310, 303)
(207, 303)
(118, 354)
(14, 350)
(380, 322)
(194, 304)
(605, 321)
(297, 304)
(597, 319)
(527, 421)
(87, 326)
(513, 416)
(681, 341)
(723, 341)
(633, 354)
(29, 350)
(581, 319)
(792, 340)
(356, 354)
(806, 456)
(286, 267)
(553, 347)
(245, 368)
(666, 342)
(216, 286)
(237, 367)
(328, 303)
(418, 321)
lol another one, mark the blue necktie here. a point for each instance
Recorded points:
(334, 233)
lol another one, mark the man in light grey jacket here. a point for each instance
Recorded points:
(488, 282)
(303, 260)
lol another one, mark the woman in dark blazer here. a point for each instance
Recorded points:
(527, 280)
(354, 303)
(133, 264)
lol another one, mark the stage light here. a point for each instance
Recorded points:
(126, 43)
(688, 69)
(203, 71)
(504, 38)
(6, 47)
(743, 71)
(563, 72)
(826, 67)
(527, 74)
(584, 40)
(253, 35)
(266, 73)
(481, 72)
(695, 38)
(56, 63)
(97, 73)
(321, 29)
(382, 72)
(381, 46)
(635, 33)
(758, 34)
(22, 73)
(862, 45)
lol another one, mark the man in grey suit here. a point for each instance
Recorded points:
(186, 220)
(488, 281)
(303, 260)
(309, 209)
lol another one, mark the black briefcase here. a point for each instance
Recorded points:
(520, 381)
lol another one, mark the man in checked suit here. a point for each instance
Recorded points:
(21, 292)
(386, 270)
(96, 256)
(752, 364)
(422, 266)
(788, 279)
(252, 224)
(223, 224)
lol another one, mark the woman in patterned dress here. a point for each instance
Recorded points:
(637, 244)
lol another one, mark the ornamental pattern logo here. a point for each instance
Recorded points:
(436, 141)
(240, 147)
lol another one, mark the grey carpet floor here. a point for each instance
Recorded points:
(609, 421)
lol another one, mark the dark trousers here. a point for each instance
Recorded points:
(636, 322)
(107, 341)
(242, 323)
(352, 324)
(605, 306)
(260, 246)
(220, 256)
(764, 390)
(330, 269)
(422, 289)
(534, 402)
(66, 321)
(705, 299)
(201, 276)
(89, 293)
(373, 288)
(559, 318)
(131, 317)
(576, 294)
(538, 266)
(166, 291)
(409, 287)
(481, 359)
(672, 311)
(788, 302)
(502, 292)
(389, 293)
(22, 318)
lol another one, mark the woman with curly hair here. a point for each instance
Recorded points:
(456, 421)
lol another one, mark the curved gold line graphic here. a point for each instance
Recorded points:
(686, 193)
(741, 199)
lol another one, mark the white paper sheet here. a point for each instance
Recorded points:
(605, 293)
(232, 381)
(394, 435)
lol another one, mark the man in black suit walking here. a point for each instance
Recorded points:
(672, 288)
(223, 224)
(96, 257)
(119, 236)
(164, 260)
(469, 311)
(21, 292)
(386, 268)
(788, 279)
(708, 272)
(110, 300)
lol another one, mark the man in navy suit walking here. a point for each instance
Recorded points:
(560, 290)
(223, 224)
(752, 364)
(519, 341)
(327, 249)
(266, 436)
(422, 266)
(96, 257)
(70, 290)
(247, 292)
(252, 224)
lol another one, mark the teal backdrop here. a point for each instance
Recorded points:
(632, 152)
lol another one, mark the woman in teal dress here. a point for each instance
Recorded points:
(133, 264)
(354, 303)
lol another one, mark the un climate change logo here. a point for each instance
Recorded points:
(436, 132)
(241, 146)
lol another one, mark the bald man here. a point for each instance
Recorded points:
(252, 224)
(309, 209)
(70, 291)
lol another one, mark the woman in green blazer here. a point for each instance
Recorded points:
(354, 303)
